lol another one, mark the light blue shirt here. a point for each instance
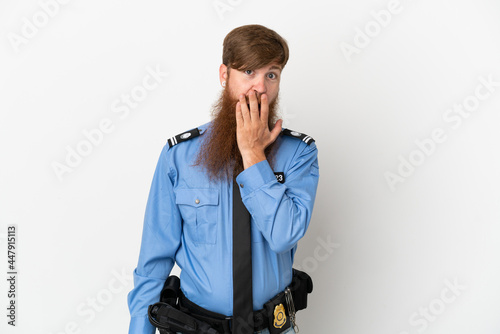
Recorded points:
(188, 220)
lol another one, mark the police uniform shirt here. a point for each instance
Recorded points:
(188, 220)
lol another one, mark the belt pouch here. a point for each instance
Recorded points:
(301, 286)
(170, 290)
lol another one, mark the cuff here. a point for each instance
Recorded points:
(255, 177)
(141, 325)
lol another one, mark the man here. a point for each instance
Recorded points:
(242, 155)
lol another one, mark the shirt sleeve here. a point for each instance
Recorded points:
(160, 240)
(282, 211)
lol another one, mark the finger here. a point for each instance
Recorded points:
(244, 109)
(264, 109)
(239, 116)
(254, 106)
(276, 130)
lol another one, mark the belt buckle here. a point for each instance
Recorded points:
(291, 309)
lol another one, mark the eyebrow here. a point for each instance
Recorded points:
(274, 67)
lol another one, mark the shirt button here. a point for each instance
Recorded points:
(197, 201)
(241, 185)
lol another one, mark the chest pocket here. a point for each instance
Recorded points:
(199, 209)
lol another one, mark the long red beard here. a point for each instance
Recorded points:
(219, 153)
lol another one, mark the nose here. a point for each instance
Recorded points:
(260, 85)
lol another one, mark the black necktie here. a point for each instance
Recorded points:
(242, 267)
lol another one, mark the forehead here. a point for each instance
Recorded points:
(273, 66)
(269, 67)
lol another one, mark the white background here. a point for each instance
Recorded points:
(395, 248)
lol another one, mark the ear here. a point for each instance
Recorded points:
(222, 73)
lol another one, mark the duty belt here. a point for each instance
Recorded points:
(176, 313)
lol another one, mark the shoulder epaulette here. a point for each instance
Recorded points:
(183, 137)
(302, 136)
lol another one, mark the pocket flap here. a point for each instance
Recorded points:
(197, 197)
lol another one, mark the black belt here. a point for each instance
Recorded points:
(221, 323)
(278, 313)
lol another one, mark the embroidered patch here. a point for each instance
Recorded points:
(280, 177)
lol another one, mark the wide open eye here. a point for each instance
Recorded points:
(249, 72)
